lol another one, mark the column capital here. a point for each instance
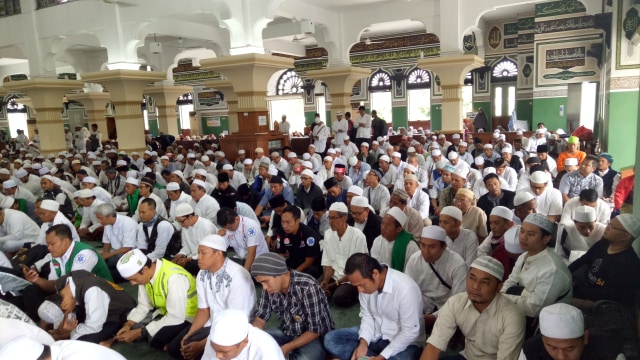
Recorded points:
(42, 91)
(247, 72)
(451, 69)
(91, 99)
(124, 84)
(340, 79)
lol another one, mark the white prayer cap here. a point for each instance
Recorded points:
(436, 152)
(95, 163)
(519, 154)
(442, 164)
(380, 138)
(220, 154)
(495, 135)
(396, 154)
(173, 186)
(4, 171)
(539, 177)
(411, 168)
(327, 158)
(241, 152)
(201, 172)
(541, 131)
(259, 150)
(488, 146)
(247, 161)
(51, 313)
(331, 151)
(463, 143)
(227, 167)
(339, 207)
(338, 113)
(50, 205)
(558, 131)
(306, 156)
(9, 184)
(503, 137)
(191, 156)
(215, 242)
(131, 262)
(442, 136)
(385, 158)
(21, 173)
(85, 193)
(17, 161)
(272, 170)
(204, 158)
(397, 214)
(199, 183)
(448, 167)
(630, 224)
(307, 164)
(292, 155)
(519, 132)
(121, 163)
(180, 157)
(44, 171)
(89, 180)
(522, 197)
(479, 160)
(452, 155)
(365, 144)
(22, 347)
(434, 232)
(455, 136)
(48, 177)
(512, 240)
(489, 265)
(353, 161)
(58, 161)
(461, 172)
(183, 209)
(6, 202)
(275, 154)
(360, 201)
(571, 162)
(167, 158)
(561, 321)
(375, 142)
(502, 212)
(411, 150)
(133, 181)
(355, 189)
(452, 211)
(27, 165)
(75, 162)
(36, 166)
(308, 173)
(507, 149)
(230, 327)
(585, 214)
(541, 221)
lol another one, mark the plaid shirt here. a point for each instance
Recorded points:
(303, 308)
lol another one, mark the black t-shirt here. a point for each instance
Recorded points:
(300, 246)
(598, 275)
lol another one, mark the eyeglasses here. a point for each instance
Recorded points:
(334, 217)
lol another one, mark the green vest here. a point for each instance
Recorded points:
(100, 269)
(158, 290)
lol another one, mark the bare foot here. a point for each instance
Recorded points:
(107, 343)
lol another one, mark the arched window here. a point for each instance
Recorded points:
(16, 116)
(505, 70)
(13, 106)
(380, 81)
(418, 79)
(290, 83)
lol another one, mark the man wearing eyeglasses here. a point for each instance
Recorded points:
(194, 228)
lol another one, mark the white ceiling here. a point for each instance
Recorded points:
(333, 4)
(10, 61)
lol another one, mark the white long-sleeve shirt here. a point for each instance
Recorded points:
(603, 211)
(420, 202)
(176, 303)
(120, 234)
(451, 268)
(378, 198)
(58, 219)
(89, 219)
(18, 226)
(382, 248)
(337, 250)
(466, 245)
(393, 314)
(102, 194)
(237, 180)
(165, 232)
(545, 278)
(160, 209)
(363, 124)
(207, 207)
(183, 199)
(247, 234)
(96, 304)
(191, 236)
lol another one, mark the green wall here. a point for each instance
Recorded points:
(623, 124)
(309, 116)
(547, 110)
(524, 109)
(216, 130)
(400, 114)
(436, 117)
(488, 111)
(153, 127)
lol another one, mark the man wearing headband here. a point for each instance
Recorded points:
(301, 328)
(492, 325)
(391, 325)
(609, 270)
(540, 277)
(165, 289)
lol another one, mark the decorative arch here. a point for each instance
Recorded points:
(13, 104)
(504, 70)
(419, 79)
(380, 81)
(289, 83)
